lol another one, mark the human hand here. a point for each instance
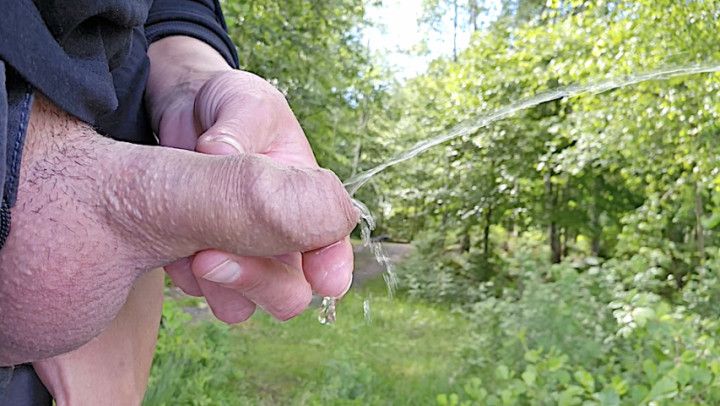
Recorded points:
(198, 102)
(93, 214)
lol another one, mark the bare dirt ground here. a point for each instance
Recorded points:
(367, 268)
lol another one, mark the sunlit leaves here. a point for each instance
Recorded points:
(601, 156)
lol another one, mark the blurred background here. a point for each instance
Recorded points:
(566, 255)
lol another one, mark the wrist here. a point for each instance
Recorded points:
(179, 66)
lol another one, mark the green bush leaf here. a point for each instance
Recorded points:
(585, 379)
(530, 375)
(665, 388)
(608, 397)
(570, 396)
(502, 372)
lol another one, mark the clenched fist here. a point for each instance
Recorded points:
(198, 102)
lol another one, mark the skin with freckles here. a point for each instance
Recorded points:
(93, 215)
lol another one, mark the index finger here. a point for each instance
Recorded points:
(329, 269)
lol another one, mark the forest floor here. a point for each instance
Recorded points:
(405, 352)
(367, 267)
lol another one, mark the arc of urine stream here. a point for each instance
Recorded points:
(470, 126)
(482, 120)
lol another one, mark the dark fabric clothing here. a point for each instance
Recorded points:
(19, 103)
(20, 386)
(130, 120)
(201, 19)
(69, 49)
(15, 104)
(4, 214)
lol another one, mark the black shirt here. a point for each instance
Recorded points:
(89, 56)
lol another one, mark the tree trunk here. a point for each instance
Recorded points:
(465, 241)
(596, 229)
(486, 232)
(596, 245)
(455, 29)
(568, 237)
(699, 229)
(555, 246)
(553, 234)
(358, 142)
(474, 8)
(356, 157)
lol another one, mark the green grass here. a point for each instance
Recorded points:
(406, 354)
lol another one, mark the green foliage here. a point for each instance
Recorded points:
(190, 365)
(629, 168)
(406, 355)
(619, 190)
(576, 335)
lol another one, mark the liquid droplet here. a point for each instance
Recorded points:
(327, 311)
(366, 310)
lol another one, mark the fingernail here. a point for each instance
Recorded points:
(347, 288)
(224, 144)
(227, 272)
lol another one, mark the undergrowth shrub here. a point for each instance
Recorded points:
(190, 365)
(583, 332)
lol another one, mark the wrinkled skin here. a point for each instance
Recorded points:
(93, 215)
(199, 102)
(116, 364)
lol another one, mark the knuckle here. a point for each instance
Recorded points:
(189, 290)
(253, 90)
(292, 306)
(234, 315)
(249, 282)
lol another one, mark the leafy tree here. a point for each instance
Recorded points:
(314, 53)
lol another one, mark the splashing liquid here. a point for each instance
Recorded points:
(470, 126)
(367, 225)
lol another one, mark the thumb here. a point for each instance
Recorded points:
(180, 202)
